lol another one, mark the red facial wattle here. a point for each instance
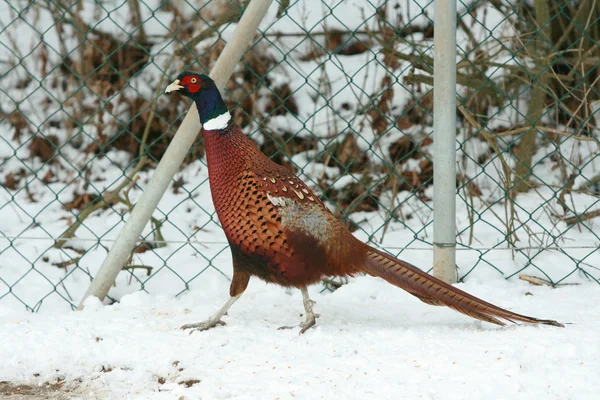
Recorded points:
(192, 83)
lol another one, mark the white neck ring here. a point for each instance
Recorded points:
(216, 123)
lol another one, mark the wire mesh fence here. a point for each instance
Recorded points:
(340, 92)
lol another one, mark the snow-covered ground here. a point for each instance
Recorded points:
(372, 341)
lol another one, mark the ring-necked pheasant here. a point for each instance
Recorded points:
(280, 231)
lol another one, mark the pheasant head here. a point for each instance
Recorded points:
(213, 112)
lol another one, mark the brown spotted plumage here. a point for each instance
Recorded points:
(271, 218)
(281, 232)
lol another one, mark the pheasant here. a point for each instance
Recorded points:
(280, 231)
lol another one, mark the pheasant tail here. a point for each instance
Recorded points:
(435, 292)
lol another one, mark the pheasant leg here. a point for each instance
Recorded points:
(215, 319)
(310, 318)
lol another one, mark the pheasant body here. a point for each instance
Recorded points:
(277, 228)
(280, 232)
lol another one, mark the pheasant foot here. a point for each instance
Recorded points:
(310, 317)
(214, 320)
(204, 325)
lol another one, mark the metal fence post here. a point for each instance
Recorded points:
(444, 141)
(174, 155)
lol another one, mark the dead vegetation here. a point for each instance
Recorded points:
(47, 390)
(100, 71)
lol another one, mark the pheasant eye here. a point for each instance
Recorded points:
(194, 80)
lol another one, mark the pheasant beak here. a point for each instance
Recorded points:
(174, 87)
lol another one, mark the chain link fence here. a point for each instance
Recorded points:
(340, 92)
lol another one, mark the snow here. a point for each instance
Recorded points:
(371, 341)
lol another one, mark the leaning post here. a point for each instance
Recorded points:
(174, 155)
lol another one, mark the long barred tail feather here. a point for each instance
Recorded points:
(433, 291)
